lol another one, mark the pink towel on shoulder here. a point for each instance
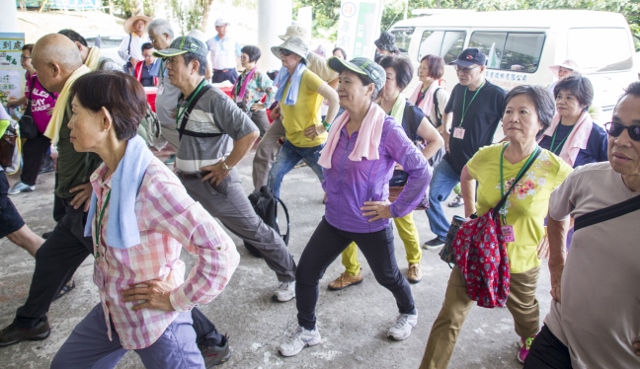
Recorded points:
(368, 137)
(427, 103)
(578, 138)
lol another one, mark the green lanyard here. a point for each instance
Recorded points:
(464, 101)
(553, 139)
(526, 164)
(193, 95)
(97, 226)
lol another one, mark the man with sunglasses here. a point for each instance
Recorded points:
(595, 308)
(469, 122)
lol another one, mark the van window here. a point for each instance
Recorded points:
(447, 44)
(403, 38)
(600, 49)
(517, 51)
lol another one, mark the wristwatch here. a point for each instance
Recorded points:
(225, 166)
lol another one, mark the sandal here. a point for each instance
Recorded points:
(457, 202)
(65, 289)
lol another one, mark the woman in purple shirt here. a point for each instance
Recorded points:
(40, 103)
(358, 160)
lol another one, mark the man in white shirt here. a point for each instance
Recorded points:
(130, 49)
(225, 53)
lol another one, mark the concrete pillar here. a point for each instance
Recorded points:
(139, 7)
(10, 18)
(274, 16)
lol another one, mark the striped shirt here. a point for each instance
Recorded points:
(168, 219)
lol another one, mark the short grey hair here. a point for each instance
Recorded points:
(160, 27)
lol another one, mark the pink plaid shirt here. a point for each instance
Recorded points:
(168, 219)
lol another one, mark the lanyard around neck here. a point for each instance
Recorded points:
(553, 139)
(465, 109)
(98, 221)
(524, 167)
(193, 95)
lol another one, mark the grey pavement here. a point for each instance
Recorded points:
(352, 322)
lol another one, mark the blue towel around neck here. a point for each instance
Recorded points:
(122, 225)
(294, 84)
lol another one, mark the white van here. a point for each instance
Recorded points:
(520, 45)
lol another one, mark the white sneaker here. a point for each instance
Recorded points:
(298, 340)
(286, 292)
(21, 187)
(401, 330)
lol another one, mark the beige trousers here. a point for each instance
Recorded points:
(521, 303)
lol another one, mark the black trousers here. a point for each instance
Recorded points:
(547, 352)
(325, 245)
(56, 261)
(33, 152)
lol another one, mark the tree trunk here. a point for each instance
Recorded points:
(438, 4)
(206, 4)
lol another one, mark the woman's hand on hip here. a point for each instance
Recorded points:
(377, 210)
(314, 131)
(152, 294)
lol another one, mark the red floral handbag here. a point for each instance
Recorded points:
(481, 253)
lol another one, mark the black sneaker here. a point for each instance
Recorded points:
(434, 244)
(215, 355)
(47, 165)
(12, 335)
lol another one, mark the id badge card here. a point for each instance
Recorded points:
(98, 276)
(507, 234)
(458, 132)
(160, 89)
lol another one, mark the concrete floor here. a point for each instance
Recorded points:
(352, 322)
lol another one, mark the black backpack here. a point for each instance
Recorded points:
(265, 204)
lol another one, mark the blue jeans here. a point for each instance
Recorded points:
(288, 157)
(443, 181)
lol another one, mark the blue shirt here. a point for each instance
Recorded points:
(596, 150)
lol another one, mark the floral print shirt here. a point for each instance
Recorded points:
(527, 204)
(259, 86)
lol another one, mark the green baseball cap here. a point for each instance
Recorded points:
(182, 45)
(362, 66)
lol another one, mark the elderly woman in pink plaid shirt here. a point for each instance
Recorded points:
(140, 219)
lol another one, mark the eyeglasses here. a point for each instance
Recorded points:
(615, 129)
(285, 52)
(23, 58)
(460, 69)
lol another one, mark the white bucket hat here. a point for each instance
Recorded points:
(295, 45)
(569, 64)
(221, 22)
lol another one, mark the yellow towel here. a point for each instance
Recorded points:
(53, 129)
(93, 59)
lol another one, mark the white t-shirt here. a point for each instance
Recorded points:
(223, 52)
(599, 317)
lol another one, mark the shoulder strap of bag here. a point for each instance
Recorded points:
(185, 117)
(31, 86)
(435, 101)
(513, 185)
(286, 213)
(129, 46)
(608, 213)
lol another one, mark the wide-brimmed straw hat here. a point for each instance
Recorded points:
(294, 44)
(569, 64)
(128, 24)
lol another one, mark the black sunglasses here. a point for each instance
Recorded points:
(285, 52)
(615, 129)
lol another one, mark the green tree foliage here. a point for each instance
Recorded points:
(326, 12)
